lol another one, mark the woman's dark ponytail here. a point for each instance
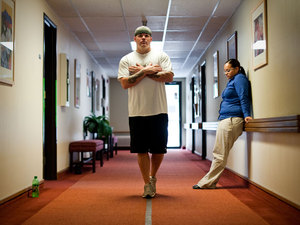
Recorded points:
(235, 63)
(242, 71)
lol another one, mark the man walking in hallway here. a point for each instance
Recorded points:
(144, 73)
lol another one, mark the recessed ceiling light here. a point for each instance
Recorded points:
(155, 45)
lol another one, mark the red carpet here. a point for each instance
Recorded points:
(112, 196)
(178, 203)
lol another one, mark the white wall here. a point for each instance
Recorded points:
(118, 106)
(21, 104)
(268, 159)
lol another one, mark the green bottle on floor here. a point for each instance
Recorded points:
(35, 187)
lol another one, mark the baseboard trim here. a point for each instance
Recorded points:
(60, 175)
(295, 205)
(19, 193)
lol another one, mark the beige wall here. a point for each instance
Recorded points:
(21, 146)
(268, 159)
(118, 106)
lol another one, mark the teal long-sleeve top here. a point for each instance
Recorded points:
(236, 98)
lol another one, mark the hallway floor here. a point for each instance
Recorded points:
(112, 195)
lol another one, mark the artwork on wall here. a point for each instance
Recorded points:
(259, 36)
(232, 46)
(216, 74)
(64, 80)
(103, 100)
(88, 83)
(7, 21)
(77, 75)
(97, 91)
(196, 94)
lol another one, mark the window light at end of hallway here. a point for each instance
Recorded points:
(155, 45)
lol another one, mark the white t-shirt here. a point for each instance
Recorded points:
(148, 97)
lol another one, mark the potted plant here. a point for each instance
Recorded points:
(98, 125)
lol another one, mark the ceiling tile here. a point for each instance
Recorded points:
(96, 8)
(115, 46)
(108, 23)
(155, 23)
(227, 8)
(178, 45)
(145, 7)
(182, 36)
(112, 36)
(75, 24)
(187, 23)
(91, 46)
(62, 8)
(84, 36)
(176, 54)
(117, 53)
(106, 27)
(192, 8)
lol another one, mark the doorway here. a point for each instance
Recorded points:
(49, 101)
(198, 88)
(173, 91)
(202, 74)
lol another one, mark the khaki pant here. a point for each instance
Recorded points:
(227, 133)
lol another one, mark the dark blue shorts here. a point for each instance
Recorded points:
(149, 134)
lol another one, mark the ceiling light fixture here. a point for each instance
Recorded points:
(155, 45)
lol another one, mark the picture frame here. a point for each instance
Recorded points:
(232, 46)
(97, 91)
(259, 35)
(216, 74)
(196, 94)
(88, 83)
(64, 80)
(7, 39)
(77, 81)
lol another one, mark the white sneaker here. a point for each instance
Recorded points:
(153, 183)
(148, 191)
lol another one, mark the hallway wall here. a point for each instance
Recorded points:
(21, 149)
(119, 111)
(267, 159)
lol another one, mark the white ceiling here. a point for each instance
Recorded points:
(106, 27)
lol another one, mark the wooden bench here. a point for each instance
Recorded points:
(114, 146)
(82, 146)
(111, 146)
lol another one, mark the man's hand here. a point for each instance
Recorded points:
(152, 69)
(149, 69)
(135, 69)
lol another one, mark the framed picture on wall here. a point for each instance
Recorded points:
(97, 90)
(216, 74)
(77, 73)
(259, 35)
(232, 46)
(196, 94)
(88, 83)
(7, 21)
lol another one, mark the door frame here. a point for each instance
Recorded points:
(202, 71)
(49, 101)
